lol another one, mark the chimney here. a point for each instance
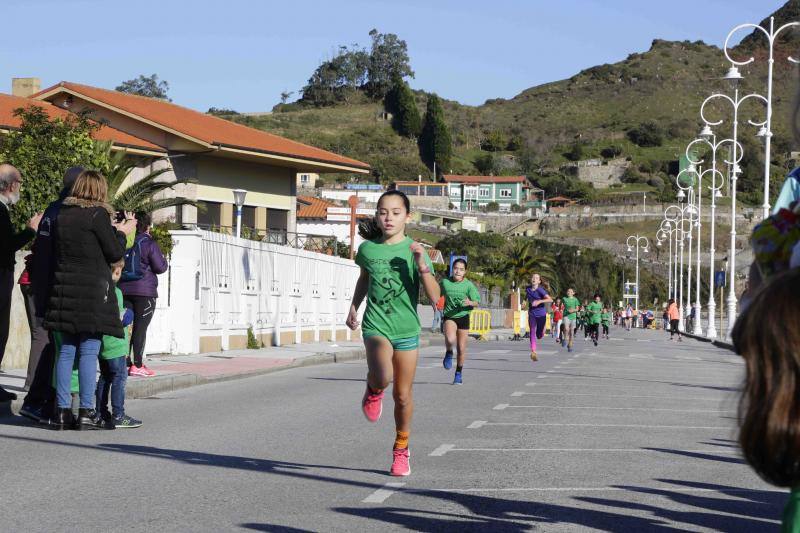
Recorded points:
(25, 87)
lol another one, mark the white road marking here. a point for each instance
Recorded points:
(593, 450)
(441, 450)
(666, 488)
(380, 495)
(541, 377)
(477, 424)
(495, 352)
(521, 393)
(688, 358)
(500, 406)
(616, 408)
(648, 426)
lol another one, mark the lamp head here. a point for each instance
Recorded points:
(646, 249)
(238, 197)
(706, 132)
(763, 134)
(630, 249)
(718, 194)
(733, 76)
(658, 242)
(681, 195)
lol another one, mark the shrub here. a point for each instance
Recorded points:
(492, 207)
(647, 134)
(611, 152)
(252, 342)
(631, 175)
(495, 141)
(656, 182)
(575, 153)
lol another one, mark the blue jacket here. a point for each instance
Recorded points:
(790, 191)
(153, 263)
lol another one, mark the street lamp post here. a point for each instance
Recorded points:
(661, 235)
(717, 179)
(238, 199)
(734, 77)
(683, 218)
(637, 240)
(693, 171)
(765, 133)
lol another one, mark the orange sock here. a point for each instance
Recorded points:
(401, 441)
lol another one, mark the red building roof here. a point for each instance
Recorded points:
(311, 207)
(8, 104)
(196, 126)
(450, 178)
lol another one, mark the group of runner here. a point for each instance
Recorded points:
(393, 269)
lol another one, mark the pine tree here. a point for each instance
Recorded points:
(435, 144)
(401, 103)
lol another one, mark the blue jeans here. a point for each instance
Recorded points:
(85, 347)
(113, 377)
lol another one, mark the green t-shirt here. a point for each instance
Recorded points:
(571, 303)
(114, 347)
(454, 294)
(393, 290)
(594, 310)
(791, 513)
(607, 319)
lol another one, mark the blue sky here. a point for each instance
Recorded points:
(241, 54)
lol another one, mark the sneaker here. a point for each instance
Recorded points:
(595, 341)
(400, 464)
(569, 349)
(372, 405)
(447, 362)
(126, 422)
(457, 379)
(533, 356)
(31, 411)
(563, 343)
(137, 371)
(147, 370)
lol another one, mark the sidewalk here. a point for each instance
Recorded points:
(175, 372)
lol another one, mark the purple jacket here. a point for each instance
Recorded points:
(153, 263)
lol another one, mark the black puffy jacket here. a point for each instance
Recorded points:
(82, 299)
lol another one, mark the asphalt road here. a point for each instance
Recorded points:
(637, 434)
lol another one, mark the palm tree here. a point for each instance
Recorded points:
(138, 196)
(522, 263)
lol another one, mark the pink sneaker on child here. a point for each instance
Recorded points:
(137, 371)
(400, 465)
(147, 371)
(372, 405)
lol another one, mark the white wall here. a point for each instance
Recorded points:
(218, 286)
(343, 194)
(340, 230)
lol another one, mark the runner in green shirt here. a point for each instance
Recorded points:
(606, 321)
(594, 313)
(461, 297)
(571, 308)
(393, 267)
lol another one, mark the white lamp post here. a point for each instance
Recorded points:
(683, 218)
(238, 199)
(693, 171)
(717, 178)
(687, 192)
(765, 133)
(662, 235)
(637, 241)
(734, 77)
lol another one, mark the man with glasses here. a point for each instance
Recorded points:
(10, 242)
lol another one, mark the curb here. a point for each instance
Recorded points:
(715, 342)
(145, 388)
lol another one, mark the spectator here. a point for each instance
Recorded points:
(10, 242)
(139, 286)
(438, 308)
(39, 404)
(769, 411)
(82, 304)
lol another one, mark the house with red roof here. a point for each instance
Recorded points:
(217, 155)
(468, 192)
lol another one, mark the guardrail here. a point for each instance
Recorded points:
(480, 323)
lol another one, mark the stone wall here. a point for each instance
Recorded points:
(600, 173)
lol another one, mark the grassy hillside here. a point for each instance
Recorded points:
(596, 108)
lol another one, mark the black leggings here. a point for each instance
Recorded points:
(673, 325)
(143, 309)
(605, 329)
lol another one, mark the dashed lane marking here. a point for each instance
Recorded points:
(694, 399)
(668, 488)
(593, 450)
(517, 393)
(441, 450)
(500, 406)
(644, 426)
(654, 409)
(477, 424)
(380, 495)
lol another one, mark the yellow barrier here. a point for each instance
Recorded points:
(480, 323)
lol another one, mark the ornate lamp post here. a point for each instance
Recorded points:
(765, 133)
(683, 218)
(661, 235)
(637, 241)
(734, 77)
(694, 199)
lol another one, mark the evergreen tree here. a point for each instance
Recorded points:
(435, 144)
(401, 103)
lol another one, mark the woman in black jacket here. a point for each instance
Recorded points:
(83, 305)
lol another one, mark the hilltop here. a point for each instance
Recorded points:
(536, 131)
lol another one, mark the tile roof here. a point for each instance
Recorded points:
(9, 103)
(311, 207)
(484, 179)
(205, 128)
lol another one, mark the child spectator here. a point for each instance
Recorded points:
(113, 369)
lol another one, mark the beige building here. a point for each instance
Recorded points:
(217, 155)
(307, 180)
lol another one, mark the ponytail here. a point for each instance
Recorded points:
(369, 229)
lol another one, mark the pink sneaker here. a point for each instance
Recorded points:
(400, 465)
(137, 371)
(149, 373)
(372, 405)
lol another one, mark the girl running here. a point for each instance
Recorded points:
(594, 311)
(537, 312)
(769, 411)
(571, 308)
(392, 268)
(461, 297)
(606, 321)
(674, 316)
(558, 319)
